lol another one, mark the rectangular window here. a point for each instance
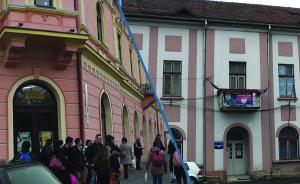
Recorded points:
(131, 62)
(140, 72)
(120, 47)
(44, 3)
(286, 80)
(237, 75)
(172, 78)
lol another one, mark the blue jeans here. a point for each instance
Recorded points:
(92, 176)
(157, 179)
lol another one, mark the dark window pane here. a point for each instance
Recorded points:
(177, 85)
(232, 82)
(46, 3)
(177, 67)
(167, 85)
(282, 149)
(288, 133)
(99, 22)
(289, 70)
(293, 149)
(237, 68)
(168, 66)
(241, 84)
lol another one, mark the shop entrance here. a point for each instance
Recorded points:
(35, 116)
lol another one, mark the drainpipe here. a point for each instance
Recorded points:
(269, 95)
(204, 99)
(79, 74)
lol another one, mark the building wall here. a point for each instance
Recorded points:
(40, 65)
(291, 59)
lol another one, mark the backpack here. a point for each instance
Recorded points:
(157, 159)
(176, 160)
(25, 157)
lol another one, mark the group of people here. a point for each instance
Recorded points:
(99, 162)
(93, 163)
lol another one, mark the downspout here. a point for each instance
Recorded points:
(269, 95)
(79, 74)
(204, 99)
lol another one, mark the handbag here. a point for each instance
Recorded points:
(56, 163)
(146, 176)
(172, 178)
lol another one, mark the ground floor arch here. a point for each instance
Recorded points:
(145, 135)
(36, 111)
(238, 151)
(136, 125)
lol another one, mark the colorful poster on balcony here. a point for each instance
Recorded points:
(238, 100)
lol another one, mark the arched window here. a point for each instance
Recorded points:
(99, 23)
(288, 144)
(178, 138)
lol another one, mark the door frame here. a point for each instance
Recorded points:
(249, 166)
(60, 100)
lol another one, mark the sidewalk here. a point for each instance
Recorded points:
(137, 177)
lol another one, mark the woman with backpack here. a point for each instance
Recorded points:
(158, 163)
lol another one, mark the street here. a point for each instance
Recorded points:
(138, 177)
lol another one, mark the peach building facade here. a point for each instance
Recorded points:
(68, 68)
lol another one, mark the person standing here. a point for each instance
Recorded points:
(47, 152)
(68, 152)
(77, 159)
(125, 156)
(102, 166)
(178, 169)
(138, 152)
(171, 150)
(159, 141)
(25, 155)
(158, 163)
(90, 154)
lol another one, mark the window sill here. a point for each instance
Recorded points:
(171, 98)
(286, 98)
(286, 161)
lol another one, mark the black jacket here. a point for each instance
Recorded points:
(45, 155)
(91, 152)
(138, 150)
(77, 158)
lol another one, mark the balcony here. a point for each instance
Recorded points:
(239, 100)
(149, 99)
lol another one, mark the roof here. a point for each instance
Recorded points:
(213, 10)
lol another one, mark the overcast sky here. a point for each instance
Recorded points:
(287, 3)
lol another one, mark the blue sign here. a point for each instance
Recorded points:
(219, 144)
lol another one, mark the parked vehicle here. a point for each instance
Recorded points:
(26, 173)
(194, 172)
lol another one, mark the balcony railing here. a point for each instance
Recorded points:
(145, 89)
(241, 100)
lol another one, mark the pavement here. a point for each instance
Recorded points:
(138, 177)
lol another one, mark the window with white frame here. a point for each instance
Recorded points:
(288, 144)
(286, 80)
(172, 79)
(44, 3)
(237, 75)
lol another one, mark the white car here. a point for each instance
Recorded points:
(194, 172)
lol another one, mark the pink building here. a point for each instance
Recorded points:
(68, 68)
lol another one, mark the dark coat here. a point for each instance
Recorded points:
(114, 158)
(46, 154)
(91, 152)
(138, 149)
(77, 158)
